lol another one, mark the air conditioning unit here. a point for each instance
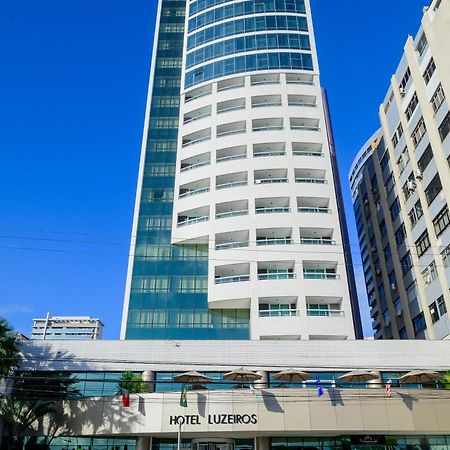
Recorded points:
(419, 175)
(402, 92)
(411, 186)
(399, 313)
(393, 286)
(257, 181)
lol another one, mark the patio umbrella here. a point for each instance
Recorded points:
(419, 376)
(242, 375)
(291, 376)
(358, 376)
(192, 377)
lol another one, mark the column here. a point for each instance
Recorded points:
(149, 377)
(143, 443)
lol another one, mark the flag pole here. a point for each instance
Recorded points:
(179, 436)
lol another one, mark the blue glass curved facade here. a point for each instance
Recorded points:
(247, 25)
(244, 8)
(249, 63)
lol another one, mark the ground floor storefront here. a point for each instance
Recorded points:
(355, 442)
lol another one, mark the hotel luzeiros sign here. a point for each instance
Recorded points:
(214, 419)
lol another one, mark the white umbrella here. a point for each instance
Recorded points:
(358, 376)
(291, 375)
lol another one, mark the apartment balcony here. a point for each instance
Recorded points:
(317, 236)
(271, 176)
(231, 180)
(256, 80)
(231, 105)
(294, 78)
(198, 93)
(264, 101)
(278, 313)
(231, 153)
(307, 149)
(196, 138)
(232, 209)
(232, 279)
(307, 101)
(197, 114)
(274, 241)
(195, 162)
(301, 124)
(232, 240)
(324, 313)
(230, 129)
(275, 124)
(270, 149)
(194, 188)
(193, 216)
(310, 176)
(232, 273)
(312, 275)
(313, 205)
(276, 270)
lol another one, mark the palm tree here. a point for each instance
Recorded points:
(9, 349)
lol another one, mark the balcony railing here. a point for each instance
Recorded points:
(278, 312)
(277, 276)
(276, 210)
(307, 104)
(304, 128)
(223, 215)
(194, 192)
(231, 157)
(269, 128)
(231, 184)
(230, 132)
(264, 154)
(306, 153)
(317, 241)
(231, 245)
(195, 118)
(194, 166)
(231, 108)
(196, 141)
(306, 209)
(195, 97)
(232, 279)
(325, 313)
(271, 180)
(320, 276)
(261, 105)
(273, 241)
(311, 180)
(193, 220)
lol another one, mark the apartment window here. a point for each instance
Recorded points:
(434, 312)
(446, 256)
(419, 132)
(409, 187)
(386, 317)
(438, 98)
(412, 106)
(403, 160)
(441, 221)
(416, 213)
(394, 140)
(406, 263)
(419, 324)
(430, 274)
(390, 184)
(423, 243)
(384, 160)
(382, 228)
(429, 71)
(403, 334)
(441, 305)
(395, 209)
(389, 102)
(405, 80)
(433, 189)
(444, 128)
(425, 159)
(411, 292)
(387, 253)
(422, 44)
(400, 234)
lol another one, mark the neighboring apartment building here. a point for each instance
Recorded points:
(239, 230)
(400, 183)
(67, 327)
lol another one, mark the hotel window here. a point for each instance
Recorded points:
(416, 213)
(441, 221)
(434, 312)
(446, 256)
(406, 263)
(412, 106)
(444, 128)
(438, 98)
(419, 132)
(441, 305)
(419, 324)
(425, 159)
(423, 244)
(429, 71)
(405, 80)
(433, 189)
(422, 44)
(430, 274)
(411, 292)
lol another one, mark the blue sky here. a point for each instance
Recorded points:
(73, 83)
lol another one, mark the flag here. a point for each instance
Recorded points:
(319, 387)
(183, 396)
(389, 388)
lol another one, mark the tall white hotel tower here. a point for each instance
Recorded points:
(252, 190)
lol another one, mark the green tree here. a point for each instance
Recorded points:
(445, 380)
(130, 383)
(9, 349)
